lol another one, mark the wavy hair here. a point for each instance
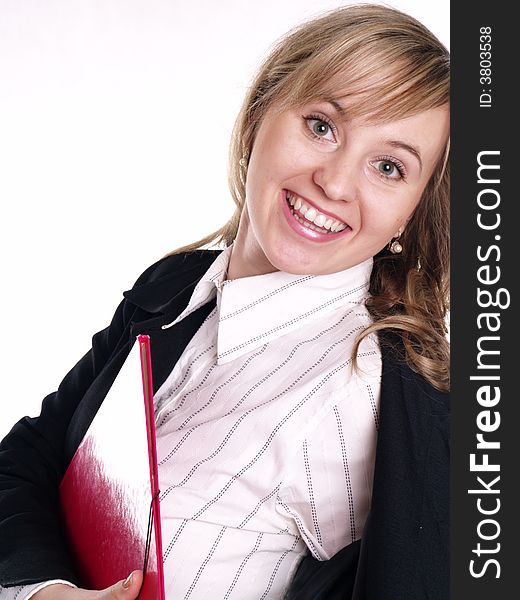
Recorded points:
(391, 67)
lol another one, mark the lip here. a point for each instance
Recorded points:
(325, 212)
(314, 236)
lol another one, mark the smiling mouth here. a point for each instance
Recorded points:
(311, 217)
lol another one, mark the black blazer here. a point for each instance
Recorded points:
(404, 550)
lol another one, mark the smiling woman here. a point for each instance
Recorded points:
(351, 114)
(301, 373)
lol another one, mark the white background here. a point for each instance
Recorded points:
(115, 118)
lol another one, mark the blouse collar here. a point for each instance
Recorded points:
(255, 310)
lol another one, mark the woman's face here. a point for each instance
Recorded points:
(364, 179)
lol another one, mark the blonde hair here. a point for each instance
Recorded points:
(392, 67)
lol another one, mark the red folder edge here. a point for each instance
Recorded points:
(146, 371)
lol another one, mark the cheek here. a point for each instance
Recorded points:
(381, 225)
(265, 166)
(282, 152)
(390, 213)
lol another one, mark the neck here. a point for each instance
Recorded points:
(247, 257)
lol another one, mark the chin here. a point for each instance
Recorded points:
(292, 260)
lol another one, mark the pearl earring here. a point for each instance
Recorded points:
(243, 161)
(395, 246)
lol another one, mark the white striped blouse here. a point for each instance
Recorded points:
(266, 437)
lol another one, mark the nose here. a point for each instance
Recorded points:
(336, 176)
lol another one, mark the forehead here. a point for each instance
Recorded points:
(380, 91)
(347, 109)
(425, 132)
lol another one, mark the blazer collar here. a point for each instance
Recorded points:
(170, 282)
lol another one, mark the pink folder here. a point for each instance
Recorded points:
(110, 491)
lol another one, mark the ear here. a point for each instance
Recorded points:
(399, 232)
(401, 229)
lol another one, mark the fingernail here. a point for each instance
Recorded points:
(128, 581)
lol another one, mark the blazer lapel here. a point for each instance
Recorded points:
(161, 301)
(404, 551)
(167, 345)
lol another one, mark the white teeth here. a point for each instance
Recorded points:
(311, 214)
(320, 220)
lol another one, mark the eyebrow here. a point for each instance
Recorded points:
(404, 146)
(337, 107)
(394, 143)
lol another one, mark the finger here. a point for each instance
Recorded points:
(126, 589)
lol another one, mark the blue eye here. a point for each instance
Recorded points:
(390, 168)
(386, 167)
(320, 127)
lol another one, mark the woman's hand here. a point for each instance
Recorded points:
(127, 589)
